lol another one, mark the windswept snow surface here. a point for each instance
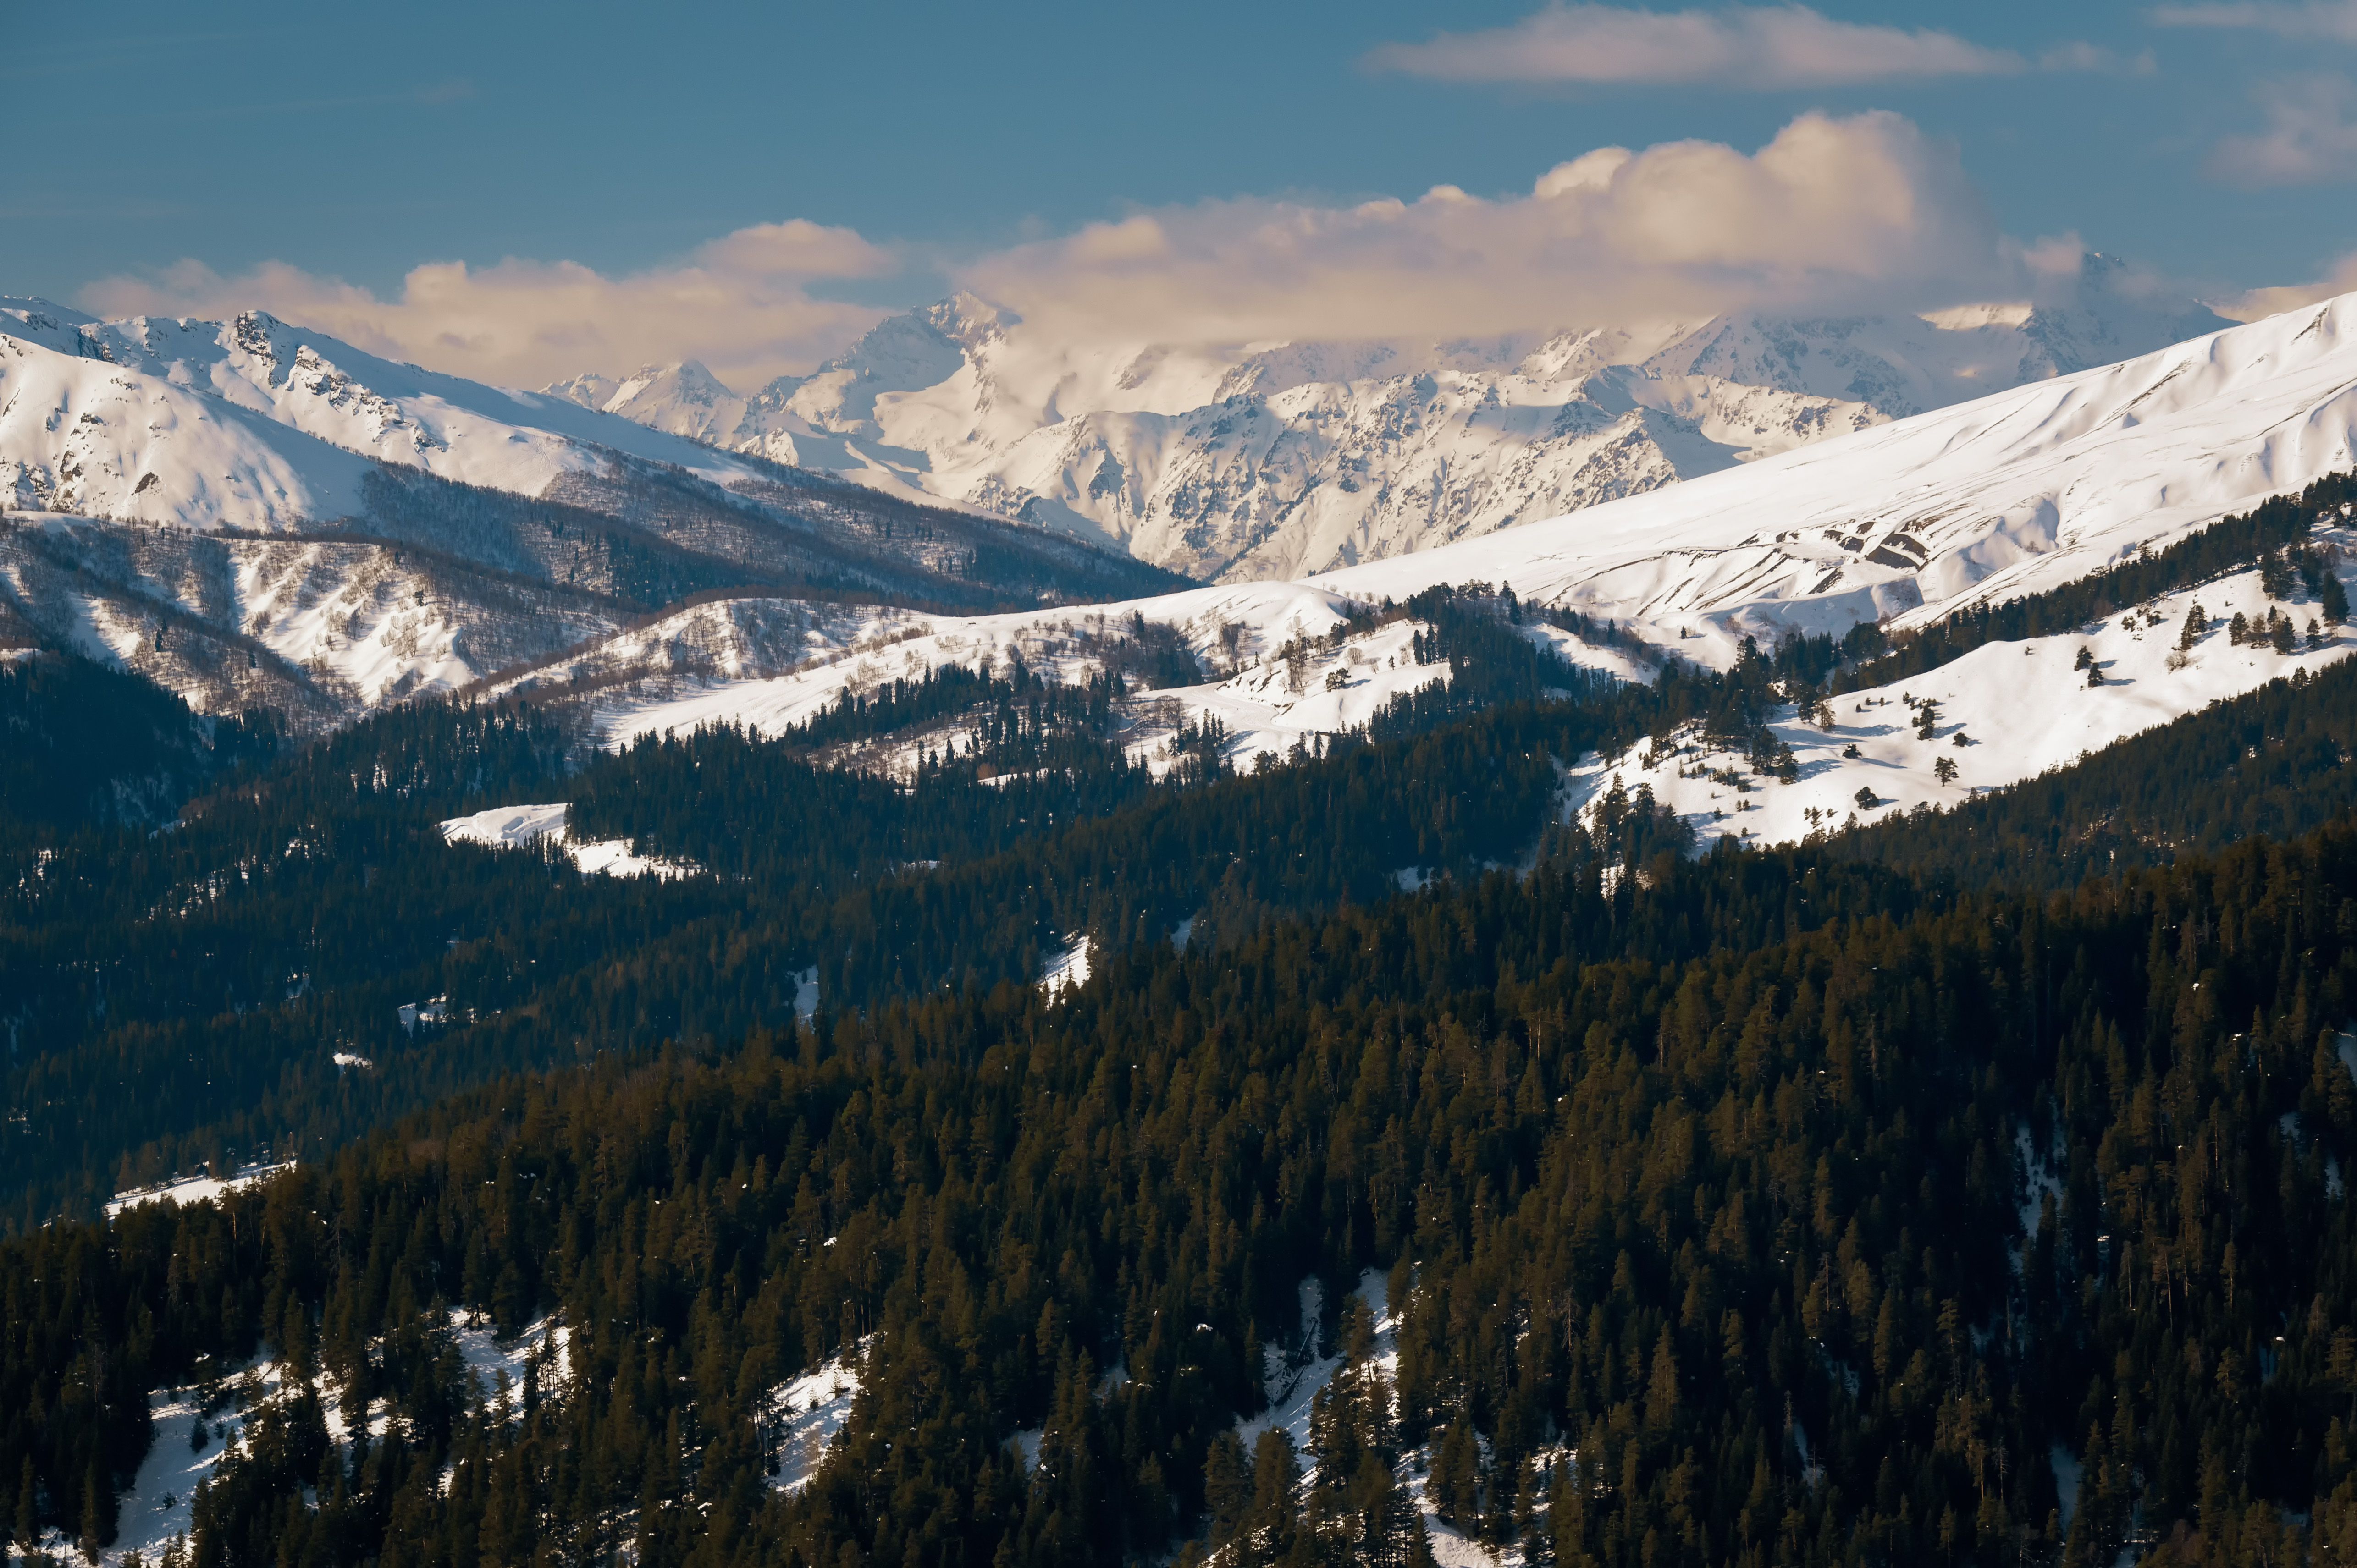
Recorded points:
(2021, 708)
(518, 827)
(194, 1189)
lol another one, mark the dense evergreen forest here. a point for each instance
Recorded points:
(1807, 1227)
(1967, 1188)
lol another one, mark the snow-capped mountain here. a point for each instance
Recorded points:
(252, 513)
(1267, 461)
(1903, 521)
(255, 425)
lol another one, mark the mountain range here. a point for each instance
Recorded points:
(1258, 461)
(1904, 523)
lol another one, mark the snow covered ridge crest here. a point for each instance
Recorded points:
(1909, 521)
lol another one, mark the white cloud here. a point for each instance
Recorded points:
(1843, 214)
(2317, 19)
(2311, 138)
(1838, 213)
(2340, 279)
(1758, 47)
(741, 304)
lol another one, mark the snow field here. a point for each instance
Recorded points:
(2021, 708)
(900, 645)
(1266, 706)
(1263, 460)
(255, 423)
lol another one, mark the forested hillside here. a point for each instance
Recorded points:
(1411, 1165)
(1720, 1252)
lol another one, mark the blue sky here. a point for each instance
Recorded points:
(352, 145)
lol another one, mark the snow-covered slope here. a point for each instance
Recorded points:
(2006, 495)
(766, 664)
(1267, 461)
(254, 425)
(524, 827)
(318, 629)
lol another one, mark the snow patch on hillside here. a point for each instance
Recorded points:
(1068, 968)
(195, 1188)
(488, 1356)
(802, 1417)
(521, 827)
(156, 1505)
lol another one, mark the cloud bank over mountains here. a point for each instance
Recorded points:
(1832, 212)
(742, 304)
(1839, 213)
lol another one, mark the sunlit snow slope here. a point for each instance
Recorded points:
(2011, 494)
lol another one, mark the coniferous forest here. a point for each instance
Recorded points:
(1966, 1188)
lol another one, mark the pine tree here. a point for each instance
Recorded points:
(2196, 626)
(1456, 1483)
(28, 1510)
(97, 1513)
(1269, 1526)
(1227, 1487)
